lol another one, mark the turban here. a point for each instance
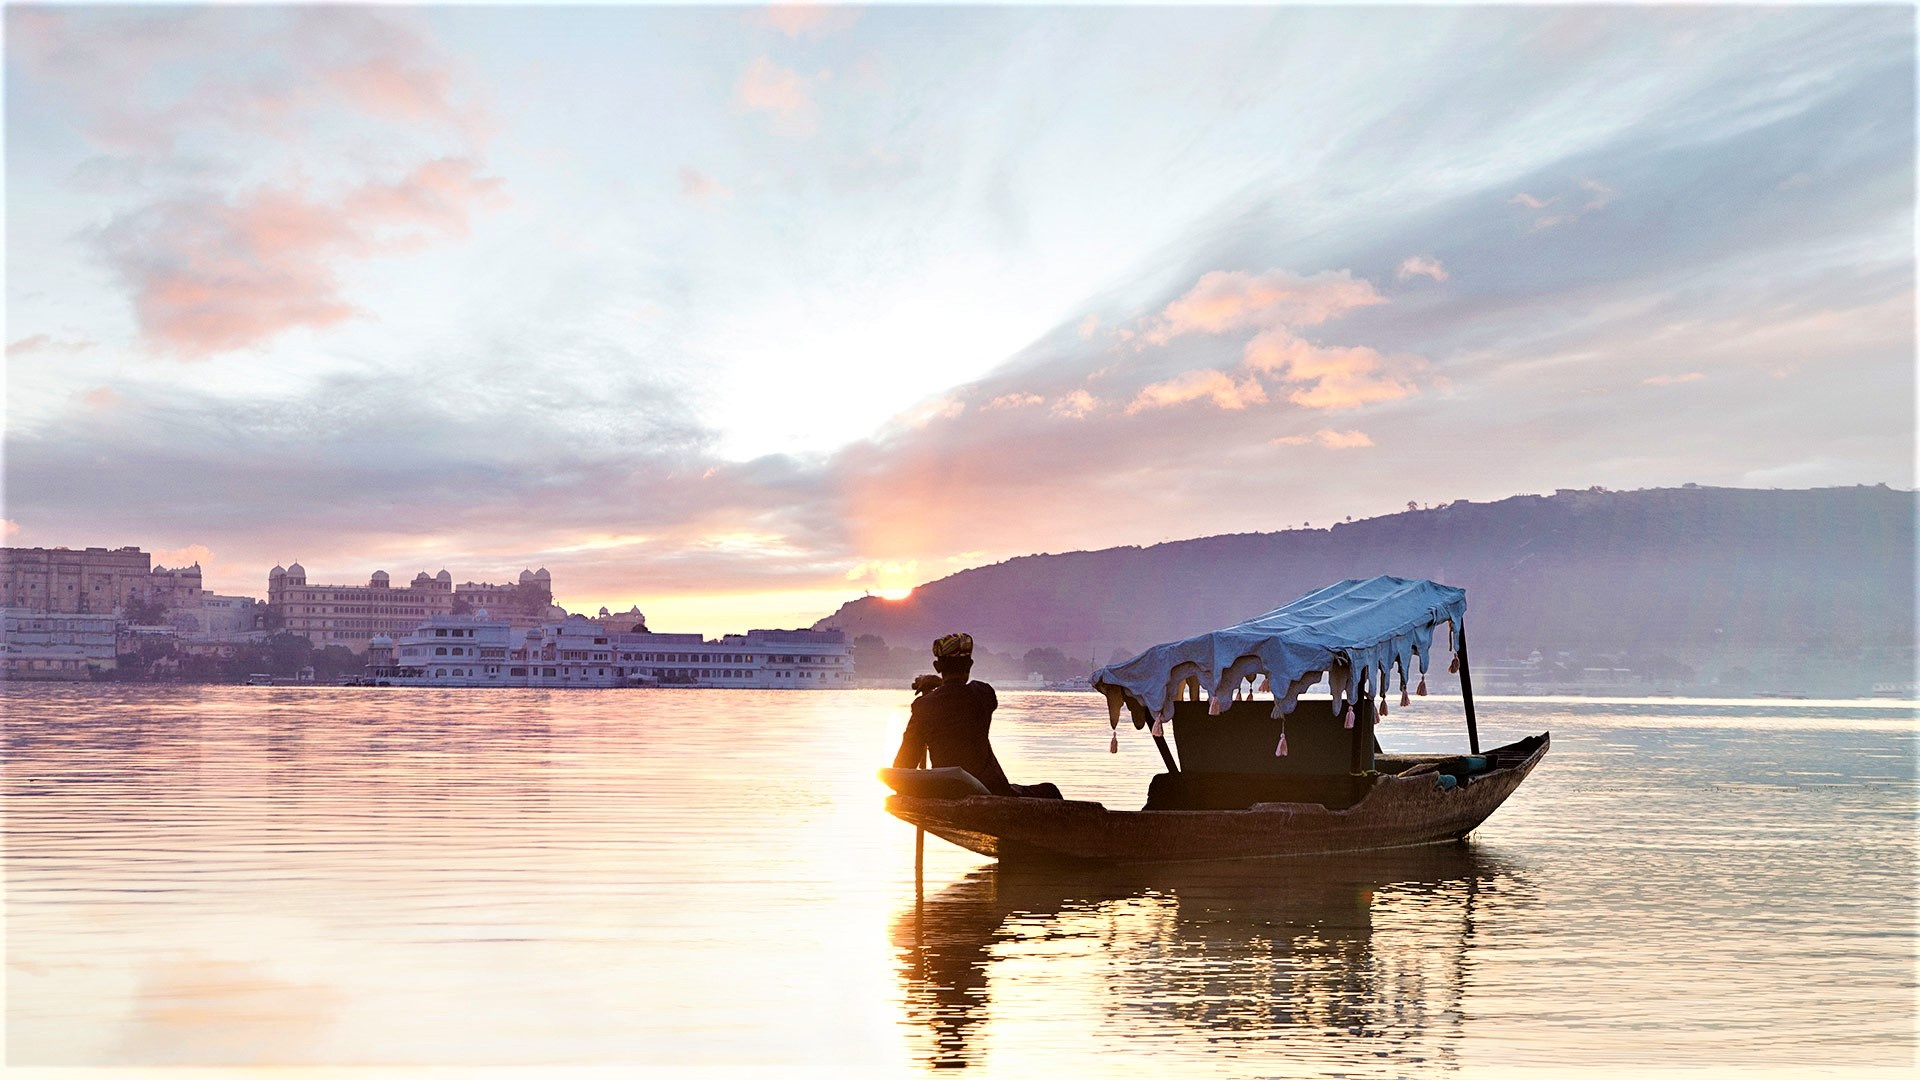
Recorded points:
(954, 645)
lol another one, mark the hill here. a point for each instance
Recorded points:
(1742, 589)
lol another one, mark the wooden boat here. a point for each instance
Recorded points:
(1262, 777)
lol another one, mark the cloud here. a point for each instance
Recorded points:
(102, 397)
(1421, 265)
(242, 235)
(1088, 326)
(1673, 380)
(1601, 195)
(1075, 406)
(43, 343)
(1014, 401)
(210, 275)
(388, 86)
(191, 554)
(806, 20)
(1331, 377)
(1597, 197)
(1327, 437)
(1221, 389)
(512, 464)
(784, 94)
(141, 81)
(1224, 300)
(9, 528)
(700, 187)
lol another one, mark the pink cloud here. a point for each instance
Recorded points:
(192, 553)
(700, 187)
(212, 266)
(9, 528)
(1673, 380)
(1225, 300)
(102, 398)
(1075, 406)
(386, 86)
(1219, 388)
(1327, 437)
(1088, 326)
(1332, 377)
(1598, 196)
(115, 71)
(209, 275)
(1015, 401)
(42, 343)
(806, 20)
(767, 87)
(1422, 266)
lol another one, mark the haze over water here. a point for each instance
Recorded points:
(229, 876)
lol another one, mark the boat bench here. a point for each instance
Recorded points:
(1238, 791)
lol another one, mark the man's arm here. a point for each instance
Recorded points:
(913, 745)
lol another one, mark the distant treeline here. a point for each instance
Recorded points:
(282, 655)
(874, 659)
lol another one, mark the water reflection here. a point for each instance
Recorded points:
(1344, 959)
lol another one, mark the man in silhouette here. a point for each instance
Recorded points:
(949, 723)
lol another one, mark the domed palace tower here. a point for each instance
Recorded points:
(353, 615)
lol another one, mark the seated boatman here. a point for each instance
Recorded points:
(949, 723)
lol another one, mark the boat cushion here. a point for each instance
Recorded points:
(947, 783)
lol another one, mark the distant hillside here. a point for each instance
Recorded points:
(1794, 588)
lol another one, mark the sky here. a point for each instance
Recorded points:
(738, 313)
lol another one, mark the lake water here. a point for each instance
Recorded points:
(239, 877)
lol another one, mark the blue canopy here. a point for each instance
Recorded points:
(1355, 633)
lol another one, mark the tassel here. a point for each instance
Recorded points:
(1281, 750)
(1159, 729)
(1404, 699)
(1349, 716)
(1422, 688)
(1114, 746)
(1383, 707)
(1453, 666)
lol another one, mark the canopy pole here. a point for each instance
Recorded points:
(1466, 694)
(1166, 754)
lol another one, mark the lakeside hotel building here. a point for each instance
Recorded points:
(458, 650)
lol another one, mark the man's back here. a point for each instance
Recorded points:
(950, 724)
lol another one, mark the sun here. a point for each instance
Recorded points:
(897, 593)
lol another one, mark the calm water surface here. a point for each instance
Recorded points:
(355, 877)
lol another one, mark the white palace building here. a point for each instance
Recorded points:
(462, 650)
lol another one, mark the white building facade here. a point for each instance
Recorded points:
(55, 644)
(755, 660)
(458, 650)
(461, 650)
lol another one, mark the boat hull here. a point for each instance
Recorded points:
(1400, 811)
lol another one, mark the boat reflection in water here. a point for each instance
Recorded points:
(1352, 963)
